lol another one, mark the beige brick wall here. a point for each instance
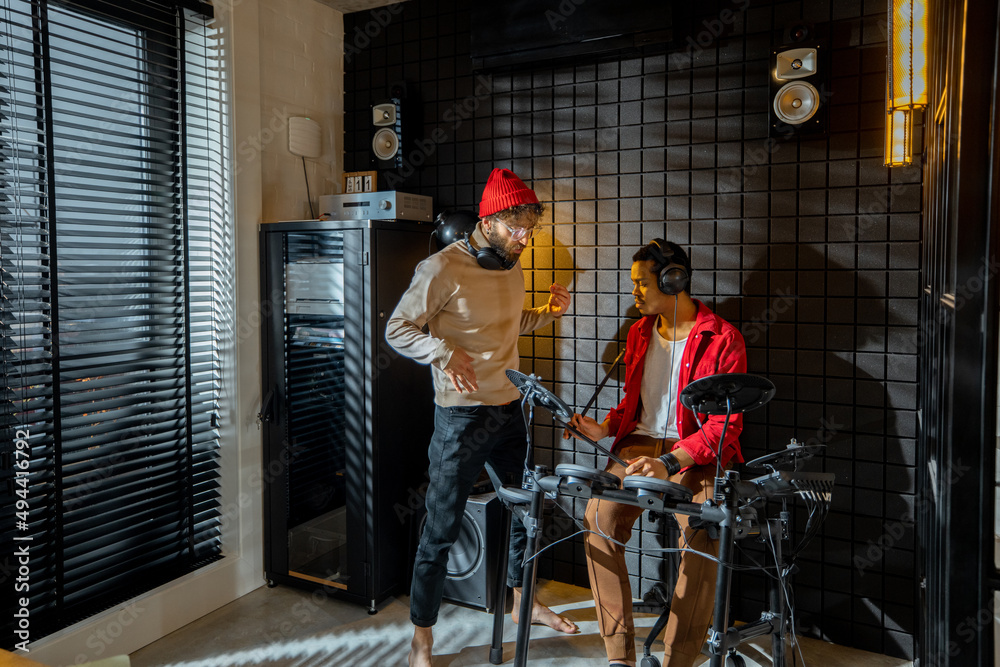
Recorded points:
(301, 74)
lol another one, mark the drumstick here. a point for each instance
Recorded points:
(603, 382)
(593, 398)
(599, 448)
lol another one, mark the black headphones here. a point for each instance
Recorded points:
(489, 258)
(673, 277)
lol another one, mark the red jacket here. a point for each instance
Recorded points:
(713, 346)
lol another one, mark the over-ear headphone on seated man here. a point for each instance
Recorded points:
(673, 274)
(488, 258)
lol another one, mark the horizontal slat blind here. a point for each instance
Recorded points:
(209, 274)
(29, 346)
(115, 261)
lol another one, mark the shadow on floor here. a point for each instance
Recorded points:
(287, 627)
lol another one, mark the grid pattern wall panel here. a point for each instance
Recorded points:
(809, 245)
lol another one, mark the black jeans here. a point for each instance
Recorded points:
(465, 439)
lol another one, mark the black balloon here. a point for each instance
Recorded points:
(452, 225)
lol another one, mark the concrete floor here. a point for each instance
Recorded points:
(287, 627)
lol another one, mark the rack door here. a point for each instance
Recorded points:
(307, 456)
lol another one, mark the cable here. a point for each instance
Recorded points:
(526, 416)
(812, 527)
(789, 604)
(601, 533)
(636, 550)
(762, 568)
(725, 427)
(670, 375)
(734, 568)
(701, 429)
(312, 212)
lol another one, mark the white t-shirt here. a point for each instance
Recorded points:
(659, 387)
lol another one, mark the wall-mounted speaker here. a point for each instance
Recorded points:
(387, 135)
(798, 94)
(473, 559)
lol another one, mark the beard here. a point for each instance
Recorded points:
(508, 249)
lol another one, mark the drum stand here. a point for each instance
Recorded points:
(722, 639)
(514, 501)
(719, 394)
(500, 590)
(579, 482)
(538, 483)
(734, 523)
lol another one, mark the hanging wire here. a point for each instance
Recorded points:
(688, 549)
(305, 173)
(789, 602)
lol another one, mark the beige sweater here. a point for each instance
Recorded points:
(466, 306)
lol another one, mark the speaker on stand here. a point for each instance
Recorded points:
(798, 96)
(387, 134)
(472, 561)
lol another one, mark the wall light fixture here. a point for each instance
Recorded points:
(906, 77)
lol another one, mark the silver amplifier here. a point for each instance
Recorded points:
(389, 205)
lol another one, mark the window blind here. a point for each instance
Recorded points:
(114, 254)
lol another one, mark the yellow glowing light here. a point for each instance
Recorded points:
(906, 77)
(898, 138)
(907, 64)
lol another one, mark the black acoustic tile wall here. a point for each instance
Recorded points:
(809, 245)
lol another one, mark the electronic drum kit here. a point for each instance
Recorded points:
(732, 511)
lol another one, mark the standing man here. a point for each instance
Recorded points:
(470, 296)
(678, 340)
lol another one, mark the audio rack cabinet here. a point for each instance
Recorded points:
(346, 420)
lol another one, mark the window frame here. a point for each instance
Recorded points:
(49, 611)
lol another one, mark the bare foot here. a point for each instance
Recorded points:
(542, 614)
(420, 647)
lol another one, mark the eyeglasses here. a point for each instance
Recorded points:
(518, 233)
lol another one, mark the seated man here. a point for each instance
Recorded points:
(678, 340)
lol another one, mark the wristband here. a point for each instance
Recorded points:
(670, 461)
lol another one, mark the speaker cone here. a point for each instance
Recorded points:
(467, 552)
(385, 144)
(796, 102)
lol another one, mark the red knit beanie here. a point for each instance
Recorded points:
(503, 190)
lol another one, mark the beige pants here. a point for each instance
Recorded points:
(694, 596)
